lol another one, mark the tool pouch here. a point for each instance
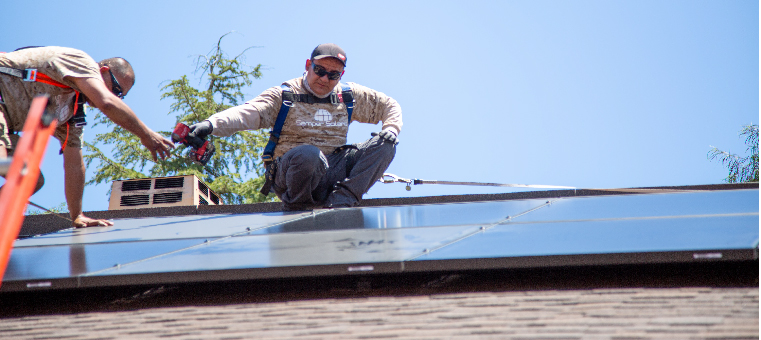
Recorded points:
(270, 169)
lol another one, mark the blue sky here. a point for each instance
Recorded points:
(591, 94)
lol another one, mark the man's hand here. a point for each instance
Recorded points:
(157, 145)
(387, 135)
(83, 221)
(201, 130)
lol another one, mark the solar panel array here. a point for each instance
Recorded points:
(680, 227)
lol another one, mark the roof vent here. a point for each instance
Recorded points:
(131, 200)
(171, 182)
(138, 184)
(167, 197)
(161, 192)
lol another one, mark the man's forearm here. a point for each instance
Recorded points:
(113, 107)
(234, 119)
(74, 180)
(119, 113)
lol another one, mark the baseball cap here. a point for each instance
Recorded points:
(329, 50)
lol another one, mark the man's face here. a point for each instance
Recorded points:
(116, 82)
(323, 85)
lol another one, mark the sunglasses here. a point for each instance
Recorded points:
(116, 89)
(321, 71)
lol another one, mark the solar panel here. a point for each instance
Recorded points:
(676, 227)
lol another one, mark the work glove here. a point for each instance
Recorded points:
(387, 135)
(201, 130)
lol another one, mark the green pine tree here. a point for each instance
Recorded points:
(741, 169)
(235, 155)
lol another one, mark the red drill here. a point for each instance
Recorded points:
(200, 149)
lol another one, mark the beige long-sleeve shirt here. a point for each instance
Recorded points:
(323, 125)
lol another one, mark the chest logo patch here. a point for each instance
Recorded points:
(322, 118)
(323, 115)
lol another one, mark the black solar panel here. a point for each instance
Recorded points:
(680, 227)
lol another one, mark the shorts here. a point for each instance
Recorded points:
(65, 133)
(5, 138)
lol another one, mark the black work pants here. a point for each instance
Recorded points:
(307, 179)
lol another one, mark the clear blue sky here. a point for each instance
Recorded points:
(591, 94)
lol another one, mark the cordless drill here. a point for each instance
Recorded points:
(200, 149)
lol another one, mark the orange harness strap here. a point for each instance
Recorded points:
(32, 75)
(43, 78)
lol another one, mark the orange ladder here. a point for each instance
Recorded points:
(21, 175)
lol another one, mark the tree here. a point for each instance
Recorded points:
(741, 169)
(240, 153)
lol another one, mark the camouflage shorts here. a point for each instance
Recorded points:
(65, 133)
(5, 139)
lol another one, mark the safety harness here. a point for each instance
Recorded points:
(346, 96)
(32, 75)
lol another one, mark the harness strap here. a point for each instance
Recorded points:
(32, 75)
(334, 98)
(12, 71)
(68, 124)
(43, 78)
(269, 150)
(346, 96)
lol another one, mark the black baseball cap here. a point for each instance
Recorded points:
(329, 50)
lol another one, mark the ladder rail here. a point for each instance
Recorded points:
(22, 174)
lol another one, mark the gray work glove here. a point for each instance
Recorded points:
(386, 135)
(201, 130)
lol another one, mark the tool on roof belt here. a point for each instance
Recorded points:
(391, 178)
(200, 149)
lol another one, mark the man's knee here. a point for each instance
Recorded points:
(388, 150)
(304, 156)
(378, 149)
(302, 165)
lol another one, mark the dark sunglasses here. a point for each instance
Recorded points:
(321, 71)
(116, 89)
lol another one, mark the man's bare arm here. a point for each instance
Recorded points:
(74, 185)
(116, 110)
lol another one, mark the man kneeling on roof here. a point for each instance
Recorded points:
(70, 77)
(308, 164)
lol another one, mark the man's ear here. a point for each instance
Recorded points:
(309, 63)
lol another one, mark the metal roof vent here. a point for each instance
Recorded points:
(161, 192)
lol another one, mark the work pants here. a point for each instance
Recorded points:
(307, 179)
